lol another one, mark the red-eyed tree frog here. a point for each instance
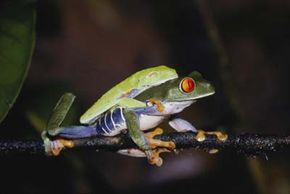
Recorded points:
(139, 103)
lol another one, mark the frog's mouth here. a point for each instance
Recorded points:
(195, 98)
(205, 95)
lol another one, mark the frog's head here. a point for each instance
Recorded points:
(191, 87)
(180, 89)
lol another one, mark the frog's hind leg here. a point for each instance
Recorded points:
(160, 106)
(54, 147)
(74, 132)
(60, 138)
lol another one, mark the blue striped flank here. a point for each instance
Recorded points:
(110, 121)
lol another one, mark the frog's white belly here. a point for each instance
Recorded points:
(170, 108)
(149, 122)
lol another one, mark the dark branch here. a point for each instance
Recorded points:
(250, 144)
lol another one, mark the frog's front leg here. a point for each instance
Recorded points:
(160, 106)
(155, 143)
(182, 125)
(157, 147)
(201, 135)
(133, 126)
(145, 142)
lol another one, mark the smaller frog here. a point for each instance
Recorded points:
(138, 109)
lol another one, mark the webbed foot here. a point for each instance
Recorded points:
(156, 143)
(159, 105)
(201, 135)
(157, 147)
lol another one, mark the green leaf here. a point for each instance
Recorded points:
(17, 36)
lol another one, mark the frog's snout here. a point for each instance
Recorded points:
(210, 87)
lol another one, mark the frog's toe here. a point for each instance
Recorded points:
(56, 146)
(66, 143)
(155, 158)
(152, 134)
(155, 143)
(201, 135)
(158, 161)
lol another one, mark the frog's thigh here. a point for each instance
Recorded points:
(74, 132)
(130, 103)
(133, 126)
(181, 125)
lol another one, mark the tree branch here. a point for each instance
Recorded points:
(249, 144)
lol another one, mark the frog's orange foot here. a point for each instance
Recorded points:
(60, 144)
(155, 159)
(159, 105)
(201, 135)
(157, 147)
(155, 143)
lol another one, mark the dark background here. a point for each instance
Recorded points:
(86, 47)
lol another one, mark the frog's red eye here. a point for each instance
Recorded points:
(187, 85)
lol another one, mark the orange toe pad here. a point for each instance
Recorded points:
(201, 135)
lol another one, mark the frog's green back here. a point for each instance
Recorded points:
(130, 87)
